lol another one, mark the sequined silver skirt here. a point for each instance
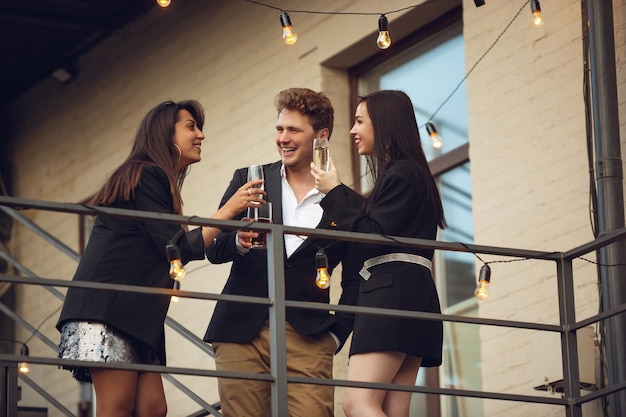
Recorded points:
(99, 342)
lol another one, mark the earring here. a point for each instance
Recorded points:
(180, 154)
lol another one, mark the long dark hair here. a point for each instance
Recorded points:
(396, 137)
(153, 144)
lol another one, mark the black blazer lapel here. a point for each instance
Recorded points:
(274, 189)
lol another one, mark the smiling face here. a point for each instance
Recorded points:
(188, 137)
(363, 131)
(294, 139)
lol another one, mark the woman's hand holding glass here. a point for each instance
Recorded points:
(325, 180)
(247, 195)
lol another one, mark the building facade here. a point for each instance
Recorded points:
(509, 103)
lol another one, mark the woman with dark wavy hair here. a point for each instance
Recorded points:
(404, 202)
(126, 327)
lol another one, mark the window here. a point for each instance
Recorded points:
(431, 71)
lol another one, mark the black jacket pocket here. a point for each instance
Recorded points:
(376, 282)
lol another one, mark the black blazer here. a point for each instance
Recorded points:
(240, 323)
(132, 252)
(401, 208)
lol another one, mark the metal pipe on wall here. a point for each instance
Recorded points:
(609, 180)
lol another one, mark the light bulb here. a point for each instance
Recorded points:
(482, 290)
(164, 3)
(177, 270)
(322, 279)
(289, 35)
(436, 140)
(174, 298)
(536, 10)
(384, 40)
(23, 366)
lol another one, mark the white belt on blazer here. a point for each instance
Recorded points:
(393, 257)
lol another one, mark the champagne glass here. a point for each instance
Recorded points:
(321, 153)
(255, 172)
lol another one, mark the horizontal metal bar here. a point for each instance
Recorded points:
(428, 390)
(21, 203)
(133, 288)
(288, 303)
(290, 379)
(424, 315)
(134, 367)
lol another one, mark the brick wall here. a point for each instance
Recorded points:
(529, 178)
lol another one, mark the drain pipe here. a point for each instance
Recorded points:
(609, 180)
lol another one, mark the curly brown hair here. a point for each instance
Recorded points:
(316, 106)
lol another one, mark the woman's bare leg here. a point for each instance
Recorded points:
(115, 392)
(379, 367)
(122, 393)
(398, 403)
(150, 397)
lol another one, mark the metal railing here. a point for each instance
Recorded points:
(571, 399)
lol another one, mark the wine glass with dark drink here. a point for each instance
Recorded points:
(260, 214)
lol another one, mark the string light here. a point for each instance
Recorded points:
(177, 270)
(289, 35)
(164, 3)
(482, 290)
(23, 366)
(436, 140)
(384, 40)
(322, 278)
(535, 7)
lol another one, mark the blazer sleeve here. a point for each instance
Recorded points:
(224, 249)
(153, 193)
(388, 213)
(350, 283)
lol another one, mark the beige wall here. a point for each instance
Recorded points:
(530, 179)
(526, 128)
(230, 57)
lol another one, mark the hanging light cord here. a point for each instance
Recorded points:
(479, 59)
(340, 13)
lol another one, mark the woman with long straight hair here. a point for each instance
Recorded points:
(403, 202)
(126, 327)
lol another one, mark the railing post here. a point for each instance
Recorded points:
(9, 394)
(277, 321)
(569, 344)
